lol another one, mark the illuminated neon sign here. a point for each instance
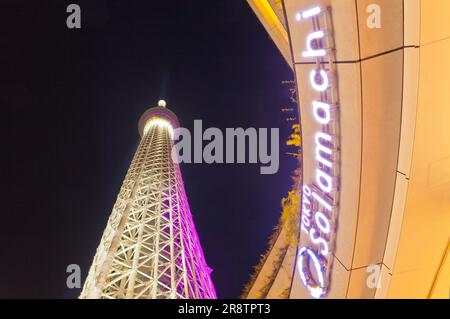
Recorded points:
(320, 193)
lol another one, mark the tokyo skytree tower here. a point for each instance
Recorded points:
(150, 248)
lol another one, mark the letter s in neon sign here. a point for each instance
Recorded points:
(315, 285)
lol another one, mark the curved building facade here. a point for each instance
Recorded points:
(373, 83)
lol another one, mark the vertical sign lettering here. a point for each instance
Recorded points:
(320, 198)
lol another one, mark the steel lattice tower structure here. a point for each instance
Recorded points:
(150, 248)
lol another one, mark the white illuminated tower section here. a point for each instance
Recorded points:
(150, 248)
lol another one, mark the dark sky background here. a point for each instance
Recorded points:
(71, 100)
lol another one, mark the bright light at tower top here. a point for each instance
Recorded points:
(158, 115)
(160, 122)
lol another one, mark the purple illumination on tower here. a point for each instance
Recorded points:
(150, 248)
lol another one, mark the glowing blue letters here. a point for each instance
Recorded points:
(320, 193)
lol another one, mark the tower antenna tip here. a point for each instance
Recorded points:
(162, 103)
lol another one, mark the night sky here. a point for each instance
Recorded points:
(71, 100)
